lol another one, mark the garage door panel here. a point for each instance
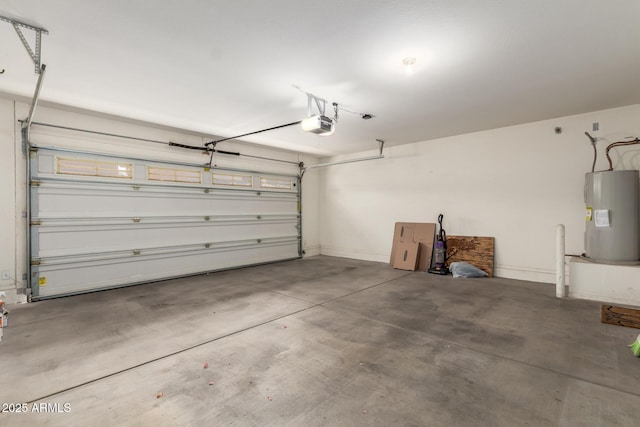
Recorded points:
(99, 222)
(58, 199)
(77, 277)
(77, 239)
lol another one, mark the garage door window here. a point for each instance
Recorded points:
(174, 175)
(90, 167)
(278, 183)
(232, 180)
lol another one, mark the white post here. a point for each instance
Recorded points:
(560, 279)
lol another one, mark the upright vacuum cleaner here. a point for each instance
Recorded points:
(439, 255)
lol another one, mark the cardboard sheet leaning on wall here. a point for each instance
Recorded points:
(412, 245)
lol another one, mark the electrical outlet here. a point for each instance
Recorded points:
(4, 275)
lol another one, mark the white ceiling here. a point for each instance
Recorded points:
(228, 67)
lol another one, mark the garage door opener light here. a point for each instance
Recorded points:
(319, 123)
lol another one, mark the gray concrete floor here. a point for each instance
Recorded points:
(319, 342)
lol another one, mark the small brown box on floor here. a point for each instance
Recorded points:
(412, 245)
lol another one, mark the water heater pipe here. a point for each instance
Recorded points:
(560, 273)
(618, 144)
(595, 150)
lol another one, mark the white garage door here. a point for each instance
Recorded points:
(100, 222)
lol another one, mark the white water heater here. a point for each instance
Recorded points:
(613, 216)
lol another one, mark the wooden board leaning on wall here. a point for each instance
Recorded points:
(621, 316)
(477, 251)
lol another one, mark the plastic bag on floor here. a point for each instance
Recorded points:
(464, 269)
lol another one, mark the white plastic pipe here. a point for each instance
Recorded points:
(341, 162)
(560, 279)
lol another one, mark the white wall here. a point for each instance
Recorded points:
(7, 194)
(515, 184)
(13, 168)
(311, 211)
(512, 183)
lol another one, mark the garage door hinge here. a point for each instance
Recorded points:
(36, 222)
(35, 262)
(135, 187)
(35, 183)
(135, 219)
(137, 251)
(206, 218)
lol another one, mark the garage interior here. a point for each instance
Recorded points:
(201, 205)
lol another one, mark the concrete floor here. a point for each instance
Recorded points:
(319, 342)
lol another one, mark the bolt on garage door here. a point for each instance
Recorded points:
(99, 222)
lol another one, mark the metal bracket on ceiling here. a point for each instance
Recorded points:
(33, 53)
(320, 104)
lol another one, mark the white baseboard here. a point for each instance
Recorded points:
(311, 250)
(604, 298)
(507, 272)
(524, 273)
(12, 297)
(354, 254)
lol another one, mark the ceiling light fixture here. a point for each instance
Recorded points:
(408, 63)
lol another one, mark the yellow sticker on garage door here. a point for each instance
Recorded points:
(42, 281)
